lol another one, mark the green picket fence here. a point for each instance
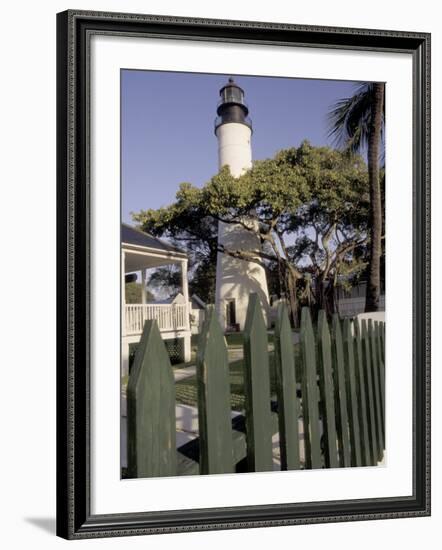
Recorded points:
(336, 420)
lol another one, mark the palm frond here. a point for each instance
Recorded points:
(349, 119)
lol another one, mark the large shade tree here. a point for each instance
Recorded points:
(357, 122)
(187, 226)
(308, 206)
(167, 280)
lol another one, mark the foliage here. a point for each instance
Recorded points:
(351, 118)
(308, 206)
(357, 122)
(202, 280)
(133, 293)
(185, 223)
(331, 227)
(166, 280)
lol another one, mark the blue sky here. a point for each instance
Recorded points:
(167, 126)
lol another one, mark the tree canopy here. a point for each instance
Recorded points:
(308, 205)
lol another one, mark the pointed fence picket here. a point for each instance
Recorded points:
(361, 396)
(151, 424)
(367, 360)
(376, 390)
(288, 408)
(257, 389)
(352, 401)
(339, 400)
(310, 394)
(382, 341)
(341, 395)
(327, 393)
(378, 346)
(215, 425)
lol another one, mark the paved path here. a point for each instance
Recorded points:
(187, 429)
(181, 374)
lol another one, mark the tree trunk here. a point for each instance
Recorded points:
(292, 297)
(374, 138)
(324, 298)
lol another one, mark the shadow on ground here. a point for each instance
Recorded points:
(46, 524)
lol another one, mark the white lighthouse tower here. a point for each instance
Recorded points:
(236, 278)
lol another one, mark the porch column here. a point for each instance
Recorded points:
(184, 282)
(187, 348)
(124, 343)
(123, 293)
(143, 286)
(185, 287)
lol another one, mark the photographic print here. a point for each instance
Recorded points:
(243, 242)
(252, 274)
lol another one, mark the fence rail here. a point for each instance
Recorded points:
(341, 406)
(168, 317)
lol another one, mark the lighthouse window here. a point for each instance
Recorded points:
(232, 95)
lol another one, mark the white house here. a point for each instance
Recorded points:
(351, 303)
(139, 252)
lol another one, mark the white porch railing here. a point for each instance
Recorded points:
(168, 316)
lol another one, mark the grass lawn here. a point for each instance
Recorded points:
(186, 390)
(236, 339)
(233, 339)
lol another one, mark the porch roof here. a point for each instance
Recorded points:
(143, 250)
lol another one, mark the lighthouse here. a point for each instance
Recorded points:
(236, 279)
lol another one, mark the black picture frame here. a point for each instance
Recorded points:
(74, 518)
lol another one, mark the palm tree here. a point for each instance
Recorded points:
(357, 122)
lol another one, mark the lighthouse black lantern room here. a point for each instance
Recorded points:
(232, 106)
